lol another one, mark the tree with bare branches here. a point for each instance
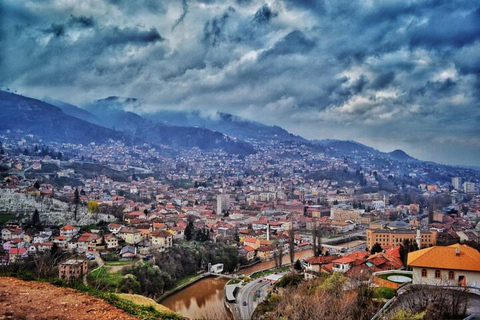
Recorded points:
(291, 236)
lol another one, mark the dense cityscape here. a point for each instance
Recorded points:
(94, 212)
(239, 159)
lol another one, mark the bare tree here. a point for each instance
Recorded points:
(317, 240)
(291, 236)
(439, 302)
(278, 255)
(76, 201)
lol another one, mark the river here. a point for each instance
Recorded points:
(305, 254)
(203, 299)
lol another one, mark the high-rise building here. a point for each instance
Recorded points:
(456, 182)
(223, 203)
(468, 187)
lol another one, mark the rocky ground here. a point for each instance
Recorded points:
(36, 300)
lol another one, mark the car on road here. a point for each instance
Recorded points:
(244, 303)
(260, 280)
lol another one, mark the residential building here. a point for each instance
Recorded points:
(68, 232)
(468, 187)
(162, 239)
(72, 269)
(453, 265)
(130, 235)
(456, 182)
(111, 240)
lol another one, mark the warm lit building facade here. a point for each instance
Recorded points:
(396, 237)
(342, 213)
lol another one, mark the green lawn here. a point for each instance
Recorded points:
(102, 275)
(385, 276)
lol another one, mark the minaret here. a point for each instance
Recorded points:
(419, 239)
(268, 231)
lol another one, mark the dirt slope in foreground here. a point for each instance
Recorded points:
(37, 300)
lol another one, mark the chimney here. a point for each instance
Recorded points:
(457, 251)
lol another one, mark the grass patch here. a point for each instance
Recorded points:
(264, 273)
(187, 279)
(143, 301)
(234, 281)
(118, 263)
(385, 276)
(104, 278)
(383, 293)
(4, 218)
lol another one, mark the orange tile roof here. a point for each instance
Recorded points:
(446, 258)
(248, 248)
(67, 227)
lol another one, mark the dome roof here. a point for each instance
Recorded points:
(398, 225)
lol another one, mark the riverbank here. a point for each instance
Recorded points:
(181, 286)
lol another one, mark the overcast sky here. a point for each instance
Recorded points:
(391, 74)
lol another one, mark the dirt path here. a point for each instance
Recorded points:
(37, 300)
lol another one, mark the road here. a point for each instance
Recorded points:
(99, 262)
(246, 295)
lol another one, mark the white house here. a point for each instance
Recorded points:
(453, 265)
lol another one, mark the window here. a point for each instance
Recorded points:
(424, 273)
(437, 274)
(451, 275)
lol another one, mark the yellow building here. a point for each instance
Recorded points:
(161, 238)
(396, 233)
(343, 213)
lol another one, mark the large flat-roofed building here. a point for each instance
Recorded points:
(344, 212)
(72, 269)
(395, 234)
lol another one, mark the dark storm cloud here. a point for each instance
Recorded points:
(139, 6)
(82, 21)
(389, 73)
(447, 29)
(115, 35)
(182, 16)
(294, 42)
(264, 14)
(213, 31)
(382, 80)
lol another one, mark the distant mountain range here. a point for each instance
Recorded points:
(340, 147)
(67, 123)
(113, 118)
(48, 121)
